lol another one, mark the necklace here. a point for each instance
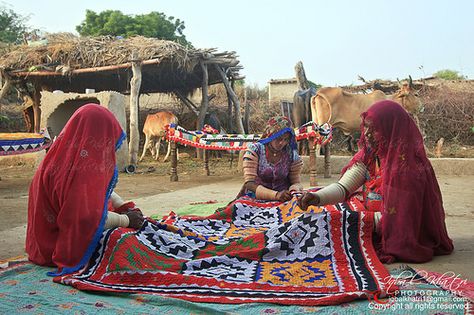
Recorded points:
(274, 153)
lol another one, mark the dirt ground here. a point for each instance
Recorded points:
(152, 190)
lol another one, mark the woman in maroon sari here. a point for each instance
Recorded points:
(70, 192)
(399, 181)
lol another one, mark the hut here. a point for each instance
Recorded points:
(131, 66)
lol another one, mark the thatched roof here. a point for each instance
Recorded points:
(66, 62)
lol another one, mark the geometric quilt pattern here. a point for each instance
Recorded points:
(248, 252)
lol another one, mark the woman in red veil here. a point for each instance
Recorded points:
(399, 186)
(69, 194)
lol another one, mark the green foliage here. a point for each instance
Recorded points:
(12, 26)
(5, 122)
(240, 82)
(314, 85)
(448, 74)
(115, 23)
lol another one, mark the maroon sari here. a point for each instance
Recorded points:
(412, 228)
(68, 196)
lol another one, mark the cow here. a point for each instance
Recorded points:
(342, 109)
(188, 121)
(154, 130)
(301, 113)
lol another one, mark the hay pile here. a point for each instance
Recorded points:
(68, 50)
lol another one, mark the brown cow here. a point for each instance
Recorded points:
(154, 130)
(342, 109)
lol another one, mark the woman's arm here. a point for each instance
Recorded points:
(130, 219)
(352, 179)
(295, 175)
(117, 201)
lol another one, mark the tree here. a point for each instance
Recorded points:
(115, 23)
(314, 85)
(448, 74)
(12, 26)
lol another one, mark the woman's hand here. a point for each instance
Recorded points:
(308, 199)
(135, 219)
(283, 195)
(127, 207)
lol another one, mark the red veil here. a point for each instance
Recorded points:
(412, 224)
(68, 196)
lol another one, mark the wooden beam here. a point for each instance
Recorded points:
(135, 84)
(84, 70)
(186, 101)
(235, 100)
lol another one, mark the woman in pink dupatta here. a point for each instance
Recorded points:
(412, 225)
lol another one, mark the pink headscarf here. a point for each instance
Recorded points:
(412, 225)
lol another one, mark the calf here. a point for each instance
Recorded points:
(154, 130)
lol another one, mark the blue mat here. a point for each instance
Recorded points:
(25, 288)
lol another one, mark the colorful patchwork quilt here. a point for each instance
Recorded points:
(249, 251)
(18, 143)
(212, 141)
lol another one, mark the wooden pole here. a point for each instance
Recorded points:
(301, 76)
(5, 84)
(86, 70)
(246, 113)
(37, 108)
(327, 160)
(206, 162)
(186, 101)
(230, 115)
(135, 84)
(312, 163)
(205, 98)
(174, 163)
(204, 103)
(235, 100)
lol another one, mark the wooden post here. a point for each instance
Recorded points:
(312, 163)
(235, 100)
(174, 163)
(37, 108)
(5, 84)
(205, 97)
(206, 162)
(301, 76)
(246, 113)
(186, 101)
(230, 115)
(327, 160)
(135, 84)
(204, 104)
